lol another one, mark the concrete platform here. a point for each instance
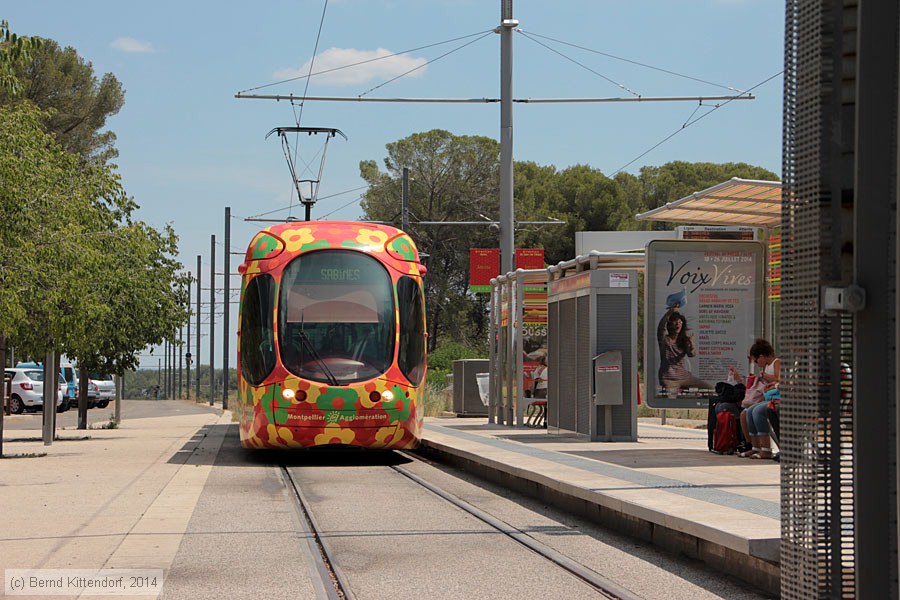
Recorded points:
(666, 488)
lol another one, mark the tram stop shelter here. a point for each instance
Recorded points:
(737, 202)
(525, 326)
(516, 318)
(745, 202)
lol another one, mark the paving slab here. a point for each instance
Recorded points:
(666, 487)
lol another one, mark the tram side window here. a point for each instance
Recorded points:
(257, 331)
(411, 355)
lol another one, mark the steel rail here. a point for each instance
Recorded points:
(334, 582)
(590, 577)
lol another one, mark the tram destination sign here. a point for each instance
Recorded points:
(704, 308)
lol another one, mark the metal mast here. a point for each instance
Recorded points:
(507, 220)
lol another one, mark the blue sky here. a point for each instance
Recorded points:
(188, 148)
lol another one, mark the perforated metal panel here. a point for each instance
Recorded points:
(553, 353)
(616, 334)
(583, 360)
(567, 368)
(817, 468)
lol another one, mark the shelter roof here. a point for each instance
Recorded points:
(737, 201)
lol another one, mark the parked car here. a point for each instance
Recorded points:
(71, 374)
(101, 389)
(27, 390)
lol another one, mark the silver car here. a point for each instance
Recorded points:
(101, 389)
(26, 390)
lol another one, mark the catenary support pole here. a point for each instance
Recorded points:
(212, 319)
(187, 355)
(404, 201)
(173, 373)
(226, 304)
(180, 362)
(507, 213)
(199, 310)
(165, 371)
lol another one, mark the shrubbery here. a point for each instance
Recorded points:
(440, 361)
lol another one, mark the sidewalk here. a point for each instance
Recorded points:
(666, 487)
(121, 499)
(158, 493)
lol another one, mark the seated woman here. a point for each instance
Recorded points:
(754, 421)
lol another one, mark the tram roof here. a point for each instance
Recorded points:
(746, 202)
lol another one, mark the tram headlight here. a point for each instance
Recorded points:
(387, 395)
(288, 394)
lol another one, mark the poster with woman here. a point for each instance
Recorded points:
(703, 308)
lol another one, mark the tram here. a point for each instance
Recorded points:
(331, 337)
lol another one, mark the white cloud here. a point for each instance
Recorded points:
(131, 45)
(333, 58)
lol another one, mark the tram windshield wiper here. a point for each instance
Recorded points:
(312, 352)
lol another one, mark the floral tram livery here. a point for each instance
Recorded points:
(331, 337)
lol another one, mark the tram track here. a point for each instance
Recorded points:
(336, 583)
(606, 587)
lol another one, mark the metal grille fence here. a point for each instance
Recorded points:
(817, 472)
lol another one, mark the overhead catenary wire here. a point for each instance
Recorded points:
(426, 63)
(357, 199)
(263, 214)
(633, 62)
(363, 62)
(298, 117)
(583, 66)
(688, 124)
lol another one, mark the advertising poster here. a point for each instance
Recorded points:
(703, 311)
(484, 265)
(534, 333)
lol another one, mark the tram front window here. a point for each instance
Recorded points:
(336, 317)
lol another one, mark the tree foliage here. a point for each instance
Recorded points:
(59, 81)
(456, 178)
(452, 178)
(15, 50)
(77, 274)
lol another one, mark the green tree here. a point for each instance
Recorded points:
(139, 298)
(678, 179)
(453, 178)
(15, 50)
(581, 196)
(49, 202)
(60, 81)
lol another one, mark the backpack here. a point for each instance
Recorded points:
(725, 392)
(725, 439)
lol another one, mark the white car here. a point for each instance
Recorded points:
(101, 389)
(27, 390)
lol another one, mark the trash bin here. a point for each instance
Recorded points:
(467, 398)
(484, 386)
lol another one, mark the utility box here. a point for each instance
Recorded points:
(592, 350)
(466, 398)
